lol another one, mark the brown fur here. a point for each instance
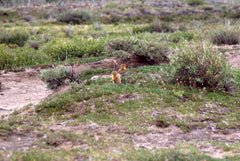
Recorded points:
(122, 68)
(116, 78)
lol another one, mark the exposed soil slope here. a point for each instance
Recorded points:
(20, 89)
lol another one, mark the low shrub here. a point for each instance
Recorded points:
(11, 58)
(34, 44)
(58, 76)
(195, 2)
(228, 36)
(60, 50)
(69, 32)
(177, 36)
(18, 37)
(231, 14)
(151, 52)
(157, 26)
(51, 1)
(207, 7)
(154, 27)
(235, 14)
(111, 5)
(75, 17)
(141, 29)
(120, 44)
(201, 67)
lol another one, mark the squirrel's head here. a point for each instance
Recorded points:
(114, 73)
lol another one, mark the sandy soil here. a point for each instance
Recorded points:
(232, 54)
(21, 89)
(234, 59)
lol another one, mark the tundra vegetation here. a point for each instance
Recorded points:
(178, 81)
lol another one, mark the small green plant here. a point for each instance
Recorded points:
(201, 66)
(18, 37)
(195, 2)
(226, 36)
(75, 17)
(178, 93)
(58, 76)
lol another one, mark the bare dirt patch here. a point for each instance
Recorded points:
(172, 136)
(123, 98)
(102, 64)
(17, 141)
(234, 59)
(21, 89)
(232, 53)
(159, 137)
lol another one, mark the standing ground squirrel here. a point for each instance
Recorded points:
(116, 77)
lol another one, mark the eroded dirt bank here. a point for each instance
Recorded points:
(21, 89)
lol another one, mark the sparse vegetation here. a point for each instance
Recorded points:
(58, 76)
